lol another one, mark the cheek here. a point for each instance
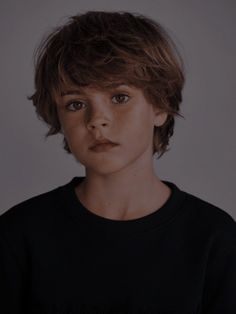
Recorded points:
(74, 134)
(140, 125)
(70, 124)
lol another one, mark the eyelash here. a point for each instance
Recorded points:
(80, 102)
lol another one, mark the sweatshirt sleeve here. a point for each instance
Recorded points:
(12, 285)
(13, 264)
(220, 282)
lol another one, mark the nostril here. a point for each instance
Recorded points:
(96, 124)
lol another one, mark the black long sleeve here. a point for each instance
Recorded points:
(12, 282)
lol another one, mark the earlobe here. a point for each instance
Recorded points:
(160, 118)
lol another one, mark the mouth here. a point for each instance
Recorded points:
(103, 143)
(101, 147)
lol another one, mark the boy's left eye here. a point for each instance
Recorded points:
(121, 98)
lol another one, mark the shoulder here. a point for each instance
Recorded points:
(34, 211)
(204, 218)
(207, 210)
(32, 223)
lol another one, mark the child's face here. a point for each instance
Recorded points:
(121, 114)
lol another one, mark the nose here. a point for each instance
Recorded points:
(96, 125)
(98, 114)
(97, 122)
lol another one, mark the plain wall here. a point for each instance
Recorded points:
(202, 153)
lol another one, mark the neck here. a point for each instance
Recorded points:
(118, 196)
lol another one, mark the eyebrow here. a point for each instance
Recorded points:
(79, 91)
(72, 92)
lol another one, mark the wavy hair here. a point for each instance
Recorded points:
(101, 48)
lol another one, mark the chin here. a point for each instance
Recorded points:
(104, 166)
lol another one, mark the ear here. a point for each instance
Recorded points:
(160, 117)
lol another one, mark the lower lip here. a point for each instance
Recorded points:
(103, 147)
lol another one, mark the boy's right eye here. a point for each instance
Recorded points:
(72, 103)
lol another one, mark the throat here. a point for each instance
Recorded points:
(140, 208)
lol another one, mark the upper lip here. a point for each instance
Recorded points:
(101, 141)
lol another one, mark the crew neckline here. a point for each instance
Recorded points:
(166, 213)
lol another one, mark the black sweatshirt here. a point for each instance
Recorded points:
(58, 257)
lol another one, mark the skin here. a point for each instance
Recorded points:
(120, 183)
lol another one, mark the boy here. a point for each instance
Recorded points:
(118, 240)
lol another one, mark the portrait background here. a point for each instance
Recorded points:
(202, 154)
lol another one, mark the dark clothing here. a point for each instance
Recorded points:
(58, 257)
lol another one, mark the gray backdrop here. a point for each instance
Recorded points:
(202, 153)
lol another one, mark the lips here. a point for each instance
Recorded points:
(101, 142)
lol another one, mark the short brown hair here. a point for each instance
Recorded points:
(99, 48)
